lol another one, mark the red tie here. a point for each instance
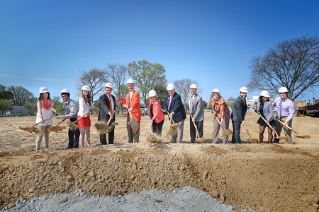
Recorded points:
(110, 101)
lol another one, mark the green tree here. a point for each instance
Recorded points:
(230, 102)
(146, 75)
(20, 95)
(4, 94)
(57, 103)
(30, 108)
(5, 105)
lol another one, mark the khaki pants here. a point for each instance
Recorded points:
(178, 135)
(43, 131)
(287, 131)
(133, 137)
(216, 127)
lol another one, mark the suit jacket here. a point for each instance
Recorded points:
(239, 110)
(268, 110)
(157, 111)
(105, 108)
(197, 112)
(135, 104)
(176, 106)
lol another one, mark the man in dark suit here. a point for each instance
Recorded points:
(238, 114)
(107, 111)
(173, 104)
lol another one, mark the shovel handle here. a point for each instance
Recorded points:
(169, 117)
(195, 126)
(247, 130)
(287, 126)
(219, 122)
(43, 121)
(268, 124)
(81, 118)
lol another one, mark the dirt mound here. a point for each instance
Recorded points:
(214, 150)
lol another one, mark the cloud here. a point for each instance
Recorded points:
(3, 75)
(44, 79)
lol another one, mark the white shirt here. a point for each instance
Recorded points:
(45, 114)
(84, 108)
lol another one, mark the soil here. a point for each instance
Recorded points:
(268, 177)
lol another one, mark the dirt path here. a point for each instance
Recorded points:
(277, 177)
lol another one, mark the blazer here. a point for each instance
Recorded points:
(268, 110)
(176, 106)
(157, 111)
(105, 108)
(198, 111)
(239, 110)
(135, 104)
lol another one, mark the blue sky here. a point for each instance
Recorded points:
(48, 43)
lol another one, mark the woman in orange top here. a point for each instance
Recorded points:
(221, 111)
(156, 114)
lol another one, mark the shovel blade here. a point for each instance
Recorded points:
(134, 125)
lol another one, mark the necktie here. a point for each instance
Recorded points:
(279, 109)
(170, 100)
(110, 101)
(244, 102)
(191, 105)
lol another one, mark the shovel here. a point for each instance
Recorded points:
(72, 125)
(298, 136)
(277, 137)
(251, 140)
(33, 128)
(134, 124)
(102, 127)
(200, 140)
(56, 128)
(226, 131)
(172, 128)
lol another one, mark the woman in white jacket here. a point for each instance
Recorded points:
(85, 123)
(44, 108)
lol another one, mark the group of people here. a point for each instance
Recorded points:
(173, 107)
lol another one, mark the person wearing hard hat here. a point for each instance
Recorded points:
(132, 104)
(71, 109)
(238, 114)
(173, 104)
(107, 112)
(221, 111)
(265, 109)
(85, 106)
(285, 113)
(44, 108)
(195, 107)
(156, 114)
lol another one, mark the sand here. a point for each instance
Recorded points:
(269, 177)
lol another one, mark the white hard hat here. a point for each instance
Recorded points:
(193, 86)
(43, 90)
(130, 81)
(108, 85)
(243, 90)
(283, 90)
(65, 91)
(152, 93)
(265, 94)
(170, 86)
(215, 90)
(85, 88)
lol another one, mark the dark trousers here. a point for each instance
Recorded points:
(111, 135)
(157, 127)
(193, 132)
(133, 137)
(236, 132)
(74, 136)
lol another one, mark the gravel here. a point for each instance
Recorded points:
(187, 199)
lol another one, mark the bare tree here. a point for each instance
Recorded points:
(95, 79)
(293, 64)
(117, 74)
(182, 88)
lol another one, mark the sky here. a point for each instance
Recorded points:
(49, 43)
